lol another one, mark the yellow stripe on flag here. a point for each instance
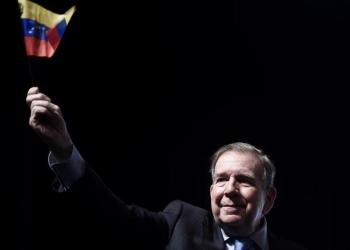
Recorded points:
(44, 16)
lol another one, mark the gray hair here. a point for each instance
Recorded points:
(263, 160)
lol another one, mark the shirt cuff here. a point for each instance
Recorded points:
(68, 171)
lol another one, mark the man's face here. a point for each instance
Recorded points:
(238, 197)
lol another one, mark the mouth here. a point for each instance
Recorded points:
(232, 205)
(231, 208)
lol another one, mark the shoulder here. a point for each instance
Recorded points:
(181, 212)
(277, 243)
(181, 207)
(188, 224)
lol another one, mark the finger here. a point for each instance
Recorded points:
(40, 110)
(44, 109)
(37, 112)
(33, 90)
(46, 104)
(36, 96)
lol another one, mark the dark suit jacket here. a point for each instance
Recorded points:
(180, 226)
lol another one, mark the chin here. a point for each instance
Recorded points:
(231, 219)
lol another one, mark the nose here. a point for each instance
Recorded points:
(231, 187)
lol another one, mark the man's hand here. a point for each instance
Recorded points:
(47, 121)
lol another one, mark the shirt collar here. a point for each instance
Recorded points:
(259, 236)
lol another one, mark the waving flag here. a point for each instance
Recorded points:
(42, 28)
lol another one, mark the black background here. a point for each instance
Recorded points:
(151, 90)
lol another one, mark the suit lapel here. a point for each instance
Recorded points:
(212, 237)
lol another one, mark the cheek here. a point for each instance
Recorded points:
(216, 195)
(215, 198)
(255, 199)
(251, 195)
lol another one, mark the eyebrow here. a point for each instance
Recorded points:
(246, 177)
(239, 175)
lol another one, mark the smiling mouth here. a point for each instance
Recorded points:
(232, 208)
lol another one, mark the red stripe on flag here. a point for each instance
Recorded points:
(36, 47)
(54, 37)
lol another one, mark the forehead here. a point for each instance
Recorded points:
(232, 161)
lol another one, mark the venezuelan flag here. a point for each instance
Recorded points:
(42, 28)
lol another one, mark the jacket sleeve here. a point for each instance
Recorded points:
(103, 211)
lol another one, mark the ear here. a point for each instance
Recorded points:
(269, 200)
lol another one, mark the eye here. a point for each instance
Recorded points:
(246, 182)
(220, 181)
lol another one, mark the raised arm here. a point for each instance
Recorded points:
(90, 199)
(47, 121)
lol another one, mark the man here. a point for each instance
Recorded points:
(242, 193)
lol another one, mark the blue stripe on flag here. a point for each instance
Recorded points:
(32, 28)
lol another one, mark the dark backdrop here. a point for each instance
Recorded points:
(151, 90)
